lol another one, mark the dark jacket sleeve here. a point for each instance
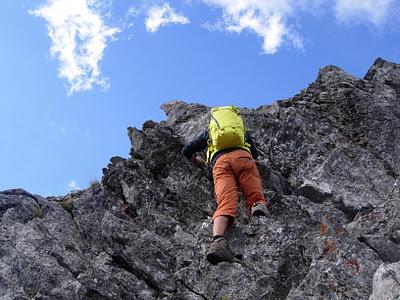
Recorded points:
(198, 144)
(253, 148)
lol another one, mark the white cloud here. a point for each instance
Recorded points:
(315, 7)
(161, 15)
(79, 37)
(73, 186)
(266, 18)
(271, 19)
(63, 130)
(133, 11)
(362, 11)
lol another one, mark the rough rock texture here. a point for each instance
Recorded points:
(330, 167)
(386, 282)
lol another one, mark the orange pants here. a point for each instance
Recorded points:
(236, 172)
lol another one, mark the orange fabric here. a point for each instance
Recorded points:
(236, 172)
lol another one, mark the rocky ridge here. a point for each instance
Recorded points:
(330, 168)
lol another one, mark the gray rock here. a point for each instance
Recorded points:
(386, 285)
(387, 250)
(314, 192)
(329, 165)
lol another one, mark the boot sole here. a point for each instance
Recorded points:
(259, 214)
(214, 258)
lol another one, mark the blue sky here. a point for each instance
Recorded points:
(75, 74)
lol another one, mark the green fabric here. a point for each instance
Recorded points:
(226, 130)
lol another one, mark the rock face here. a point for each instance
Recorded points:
(330, 168)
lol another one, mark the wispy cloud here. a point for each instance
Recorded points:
(315, 7)
(265, 18)
(79, 37)
(133, 11)
(73, 186)
(363, 11)
(161, 15)
(62, 129)
(272, 20)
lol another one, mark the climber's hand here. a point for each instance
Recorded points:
(198, 161)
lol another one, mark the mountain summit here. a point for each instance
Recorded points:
(330, 169)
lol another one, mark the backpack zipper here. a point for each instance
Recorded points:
(219, 127)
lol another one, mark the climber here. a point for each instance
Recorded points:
(231, 151)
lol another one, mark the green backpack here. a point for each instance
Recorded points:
(226, 130)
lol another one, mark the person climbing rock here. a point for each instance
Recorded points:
(232, 152)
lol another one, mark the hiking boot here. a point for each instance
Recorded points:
(219, 252)
(259, 209)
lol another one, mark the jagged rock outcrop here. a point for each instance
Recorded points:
(329, 164)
